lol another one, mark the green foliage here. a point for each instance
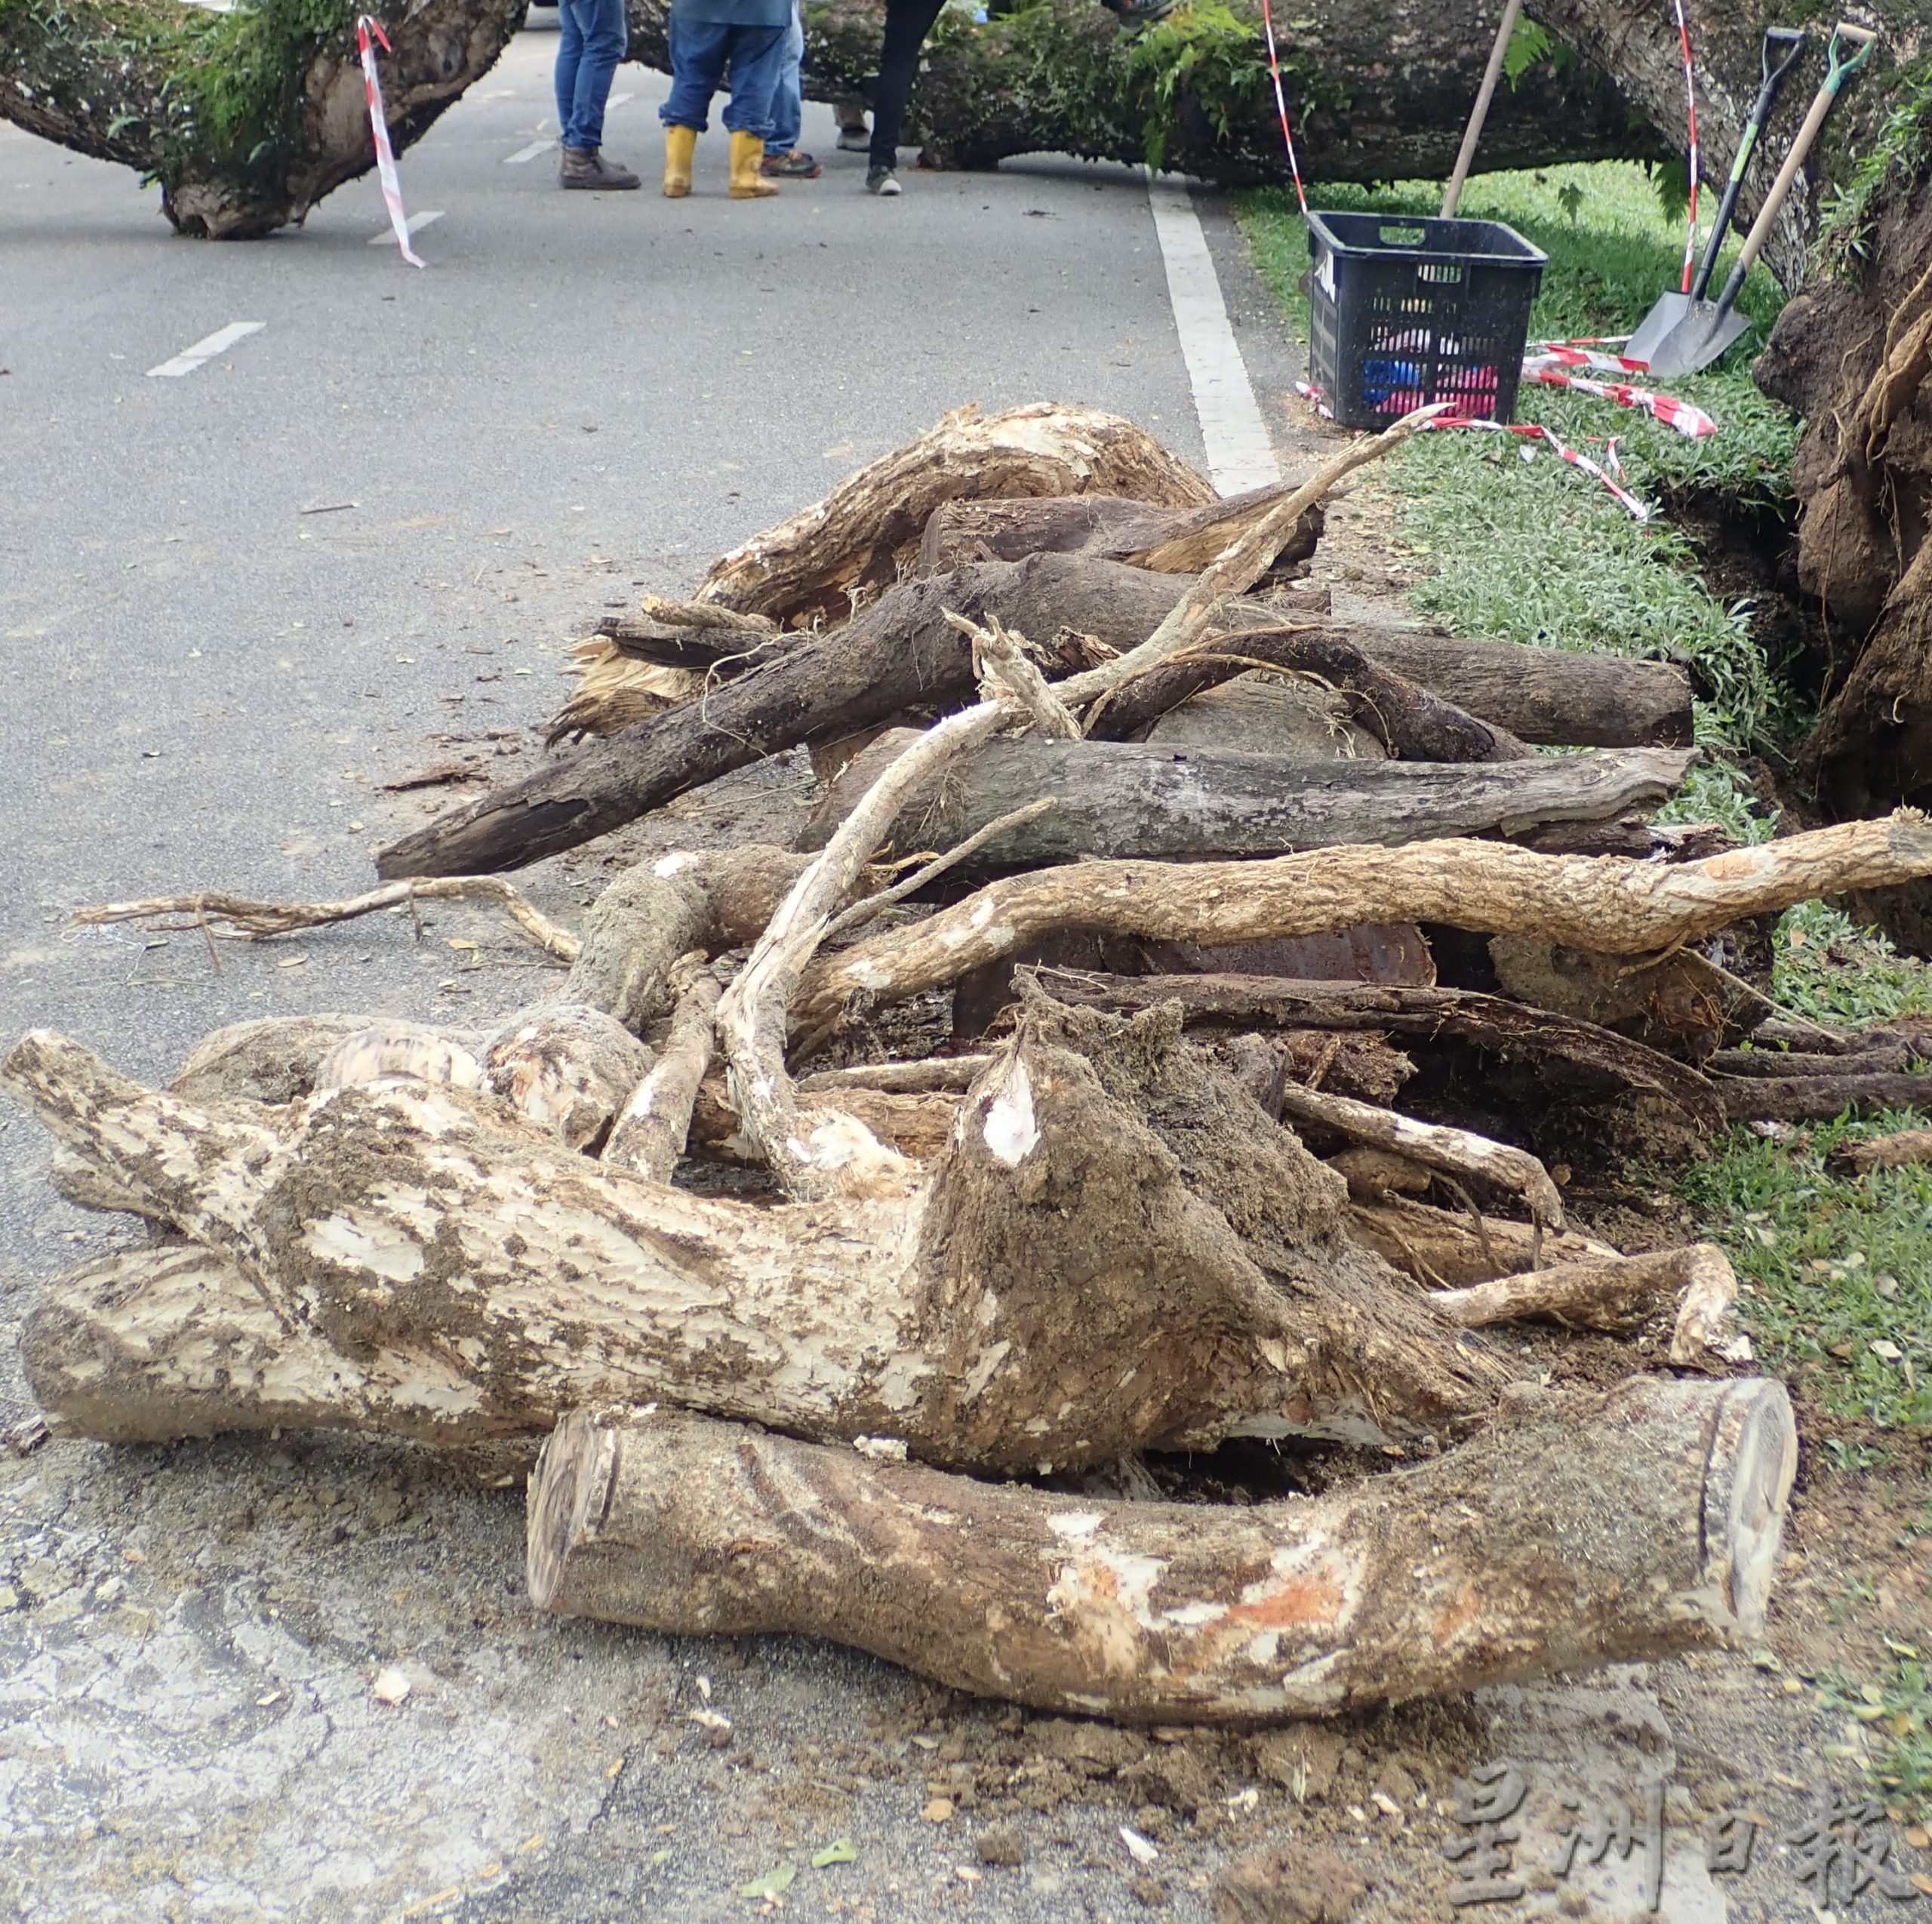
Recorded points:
(1528, 44)
(1836, 1270)
(1670, 181)
(1200, 50)
(1825, 967)
(1899, 156)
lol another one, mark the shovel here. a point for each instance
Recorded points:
(1674, 307)
(1452, 195)
(1706, 332)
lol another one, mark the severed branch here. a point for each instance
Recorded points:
(1615, 1294)
(1005, 674)
(649, 1133)
(862, 912)
(1445, 1249)
(943, 1072)
(1580, 1529)
(1460, 1152)
(248, 920)
(1603, 903)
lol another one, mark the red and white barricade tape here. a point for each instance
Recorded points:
(379, 127)
(1690, 421)
(1690, 106)
(1638, 511)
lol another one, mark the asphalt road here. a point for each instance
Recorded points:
(233, 604)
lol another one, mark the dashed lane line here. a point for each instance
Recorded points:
(417, 221)
(204, 351)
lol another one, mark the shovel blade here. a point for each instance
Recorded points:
(1704, 335)
(1656, 326)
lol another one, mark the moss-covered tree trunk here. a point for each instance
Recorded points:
(247, 119)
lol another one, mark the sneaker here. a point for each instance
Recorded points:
(1140, 12)
(586, 168)
(883, 182)
(794, 166)
(854, 139)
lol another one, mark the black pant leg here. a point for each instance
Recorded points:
(907, 24)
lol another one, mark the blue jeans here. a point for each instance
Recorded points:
(591, 38)
(700, 51)
(788, 103)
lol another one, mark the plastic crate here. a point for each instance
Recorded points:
(1403, 312)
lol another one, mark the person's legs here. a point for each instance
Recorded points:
(699, 51)
(907, 24)
(850, 115)
(788, 104)
(569, 49)
(757, 53)
(604, 40)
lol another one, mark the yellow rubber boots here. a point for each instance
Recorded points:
(747, 183)
(680, 143)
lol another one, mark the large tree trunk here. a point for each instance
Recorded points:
(1146, 800)
(1065, 1287)
(1581, 1529)
(247, 117)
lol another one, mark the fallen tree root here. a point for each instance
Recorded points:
(1812, 1098)
(210, 910)
(1490, 1022)
(420, 1259)
(1602, 904)
(865, 534)
(1616, 1294)
(1580, 1529)
(1898, 1151)
(1448, 1251)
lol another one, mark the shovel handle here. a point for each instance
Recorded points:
(1793, 41)
(1838, 72)
(1452, 197)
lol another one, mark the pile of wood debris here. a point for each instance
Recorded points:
(1181, 844)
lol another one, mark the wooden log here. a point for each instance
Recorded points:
(1489, 1022)
(1899, 1150)
(1906, 1044)
(649, 1133)
(431, 1264)
(1459, 1152)
(1616, 907)
(1616, 1295)
(864, 536)
(1406, 718)
(1449, 1251)
(1813, 1098)
(1145, 798)
(898, 654)
(1542, 694)
(567, 1067)
(1167, 540)
(917, 1125)
(1581, 1529)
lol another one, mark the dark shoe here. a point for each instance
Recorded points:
(1140, 12)
(790, 167)
(854, 139)
(883, 182)
(586, 167)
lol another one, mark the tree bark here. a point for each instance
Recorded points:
(1617, 907)
(1449, 1251)
(1162, 803)
(421, 1260)
(1581, 1529)
(901, 654)
(1812, 1098)
(1489, 1022)
(246, 119)
(1547, 695)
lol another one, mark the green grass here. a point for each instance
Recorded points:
(1896, 1711)
(1825, 967)
(1838, 1267)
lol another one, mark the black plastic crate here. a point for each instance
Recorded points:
(1403, 312)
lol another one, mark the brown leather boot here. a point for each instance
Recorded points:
(586, 167)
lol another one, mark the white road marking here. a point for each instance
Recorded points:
(618, 100)
(189, 358)
(1240, 455)
(528, 153)
(417, 221)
